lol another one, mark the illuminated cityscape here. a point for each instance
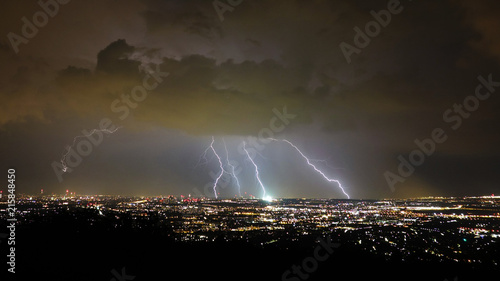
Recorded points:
(456, 231)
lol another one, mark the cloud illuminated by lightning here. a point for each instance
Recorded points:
(69, 147)
(312, 165)
(233, 174)
(256, 170)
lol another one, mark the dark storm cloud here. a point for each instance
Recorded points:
(225, 78)
(114, 59)
(482, 17)
(193, 17)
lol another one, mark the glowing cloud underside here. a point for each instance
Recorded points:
(312, 165)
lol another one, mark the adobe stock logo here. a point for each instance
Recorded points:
(453, 116)
(84, 144)
(372, 29)
(39, 20)
(277, 124)
(121, 277)
(310, 264)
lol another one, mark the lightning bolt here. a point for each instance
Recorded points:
(203, 158)
(326, 163)
(220, 164)
(69, 147)
(256, 170)
(312, 165)
(232, 168)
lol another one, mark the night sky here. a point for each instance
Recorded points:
(299, 70)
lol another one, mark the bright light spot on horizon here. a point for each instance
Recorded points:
(268, 198)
